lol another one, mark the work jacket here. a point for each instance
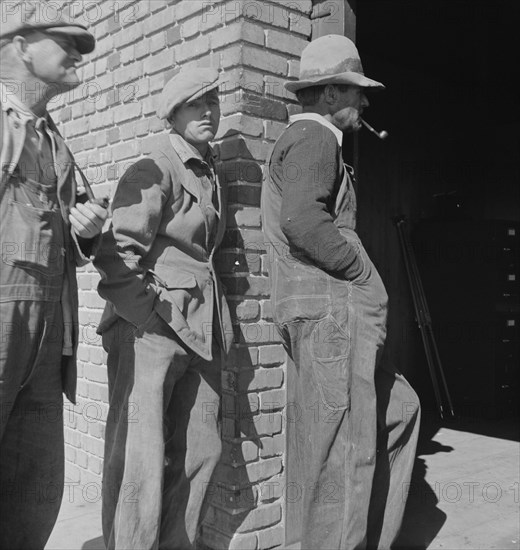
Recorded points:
(168, 220)
(30, 268)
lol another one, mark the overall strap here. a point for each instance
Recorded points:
(6, 153)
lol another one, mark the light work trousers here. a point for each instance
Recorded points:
(162, 439)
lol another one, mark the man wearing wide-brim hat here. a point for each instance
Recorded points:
(47, 228)
(360, 418)
(166, 327)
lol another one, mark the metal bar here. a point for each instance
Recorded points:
(441, 370)
(419, 315)
(428, 321)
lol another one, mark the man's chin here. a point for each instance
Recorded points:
(56, 88)
(71, 84)
(351, 128)
(206, 136)
(347, 124)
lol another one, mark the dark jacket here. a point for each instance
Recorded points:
(309, 251)
(32, 280)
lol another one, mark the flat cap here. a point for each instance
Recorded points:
(36, 15)
(187, 85)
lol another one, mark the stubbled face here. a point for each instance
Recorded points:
(52, 58)
(197, 122)
(349, 107)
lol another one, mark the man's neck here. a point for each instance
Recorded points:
(319, 110)
(202, 148)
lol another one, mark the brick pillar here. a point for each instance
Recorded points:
(249, 484)
(109, 123)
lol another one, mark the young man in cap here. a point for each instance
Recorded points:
(360, 418)
(44, 234)
(166, 327)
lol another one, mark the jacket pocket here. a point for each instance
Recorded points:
(177, 287)
(31, 239)
(171, 278)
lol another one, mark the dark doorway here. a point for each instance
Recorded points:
(452, 113)
(451, 166)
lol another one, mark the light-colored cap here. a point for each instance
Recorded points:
(187, 85)
(49, 17)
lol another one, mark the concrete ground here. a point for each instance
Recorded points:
(465, 488)
(464, 494)
(79, 522)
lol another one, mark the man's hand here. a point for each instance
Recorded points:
(87, 219)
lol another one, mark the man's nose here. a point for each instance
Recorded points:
(364, 101)
(74, 54)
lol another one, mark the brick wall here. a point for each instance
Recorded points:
(109, 122)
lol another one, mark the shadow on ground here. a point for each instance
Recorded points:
(94, 544)
(423, 518)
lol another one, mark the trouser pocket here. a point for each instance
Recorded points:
(330, 357)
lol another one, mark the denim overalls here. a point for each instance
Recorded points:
(357, 419)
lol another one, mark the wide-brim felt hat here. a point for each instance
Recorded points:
(19, 18)
(186, 86)
(331, 59)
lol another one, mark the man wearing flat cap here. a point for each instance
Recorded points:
(45, 231)
(360, 417)
(166, 327)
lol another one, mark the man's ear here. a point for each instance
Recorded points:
(21, 46)
(330, 94)
(171, 119)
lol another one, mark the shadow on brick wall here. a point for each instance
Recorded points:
(235, 496)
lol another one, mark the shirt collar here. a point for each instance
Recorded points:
(186, 151)
(10, 102)
(322, 120)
